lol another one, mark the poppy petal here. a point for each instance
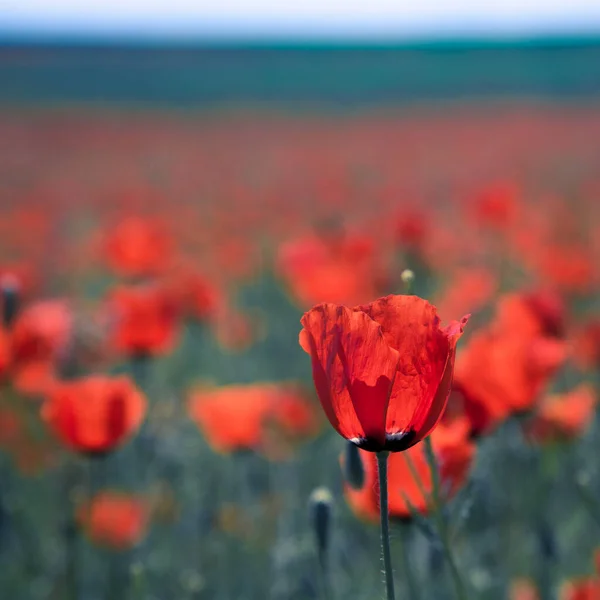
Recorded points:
(353, 369)
(411, 326)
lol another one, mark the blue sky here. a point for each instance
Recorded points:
(396, 19)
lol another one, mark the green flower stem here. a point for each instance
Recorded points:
(443, 531)
(382, 458)
(324, 584)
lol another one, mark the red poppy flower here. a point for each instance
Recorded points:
(4, 353)
(383, 370)
(237, 417)
(564, 417)
(412, 229)
(409, 474)
(567, 266)
(503, 368)
(114, 519)
(333, 270)
(497, 204)
(535, 313)
(582, 589)
(94, 414)
(38, 338)
(137, 247)
(194, 293)
(468, 287)
(146, 320)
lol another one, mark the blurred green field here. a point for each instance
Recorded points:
(322, 75)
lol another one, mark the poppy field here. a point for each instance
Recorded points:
(216, 323)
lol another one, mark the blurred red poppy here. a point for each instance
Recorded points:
(4, 354)
(94, 414)
(138, 246)
(412, 228)
(504, 367)
(114, 519)
(195, 294)
(409, 475)
(583, 589)
(468, 289)
(238, 417)
(146, 320)
(497, 204)
(532, 313)
(564, 417)
(383, 370)
(38, 339)
(340, 270)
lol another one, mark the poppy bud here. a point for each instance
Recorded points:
(408, 278)
(320, 505)
(353, 468)
(9, 290)
(547, 541)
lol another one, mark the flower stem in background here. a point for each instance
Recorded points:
(382, 461)
(443, 532)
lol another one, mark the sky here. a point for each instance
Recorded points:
(397, 19)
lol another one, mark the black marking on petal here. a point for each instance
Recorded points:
(397, 442)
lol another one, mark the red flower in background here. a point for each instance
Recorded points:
(383, 370)
(467, 289)
(412, 229)
(195, 294)
(4, 354)
(408, 480)
(146, 320)
(504, 367)
(564, 417)
(114, 519)
(138, 246)
(569, 267)
(583, 589)
(497, 204)
(333, 269)
(95, 414)
(38, 339)
(536, 313)
(237, 417)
